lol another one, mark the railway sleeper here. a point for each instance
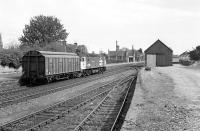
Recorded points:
(44, 117)
(108, 109)
(61, 110)
(90, 128)
(57, 110)
(110, 106)
(72, 123)
(102, 114)
(98, 127)
(102, 123)
(101, 119)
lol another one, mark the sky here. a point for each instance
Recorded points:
(99, 23)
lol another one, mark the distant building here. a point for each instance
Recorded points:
(1, 42)
(175, 59)
(124, 55)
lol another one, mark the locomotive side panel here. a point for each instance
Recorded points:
(102, 62)
(92, 62)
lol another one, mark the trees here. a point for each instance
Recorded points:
(42, 30)
(11, 57)
(81, 50)
(195, 54)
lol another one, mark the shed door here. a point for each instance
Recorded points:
(161, 60)
(151, 60)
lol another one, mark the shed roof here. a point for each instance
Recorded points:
(158, 41)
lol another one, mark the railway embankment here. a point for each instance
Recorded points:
(165, 98)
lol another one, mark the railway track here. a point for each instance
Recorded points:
(45, 116)
(73, 120)
(24, 94)
(104, 116)
(17, 88)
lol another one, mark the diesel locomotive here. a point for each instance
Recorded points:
(47, 66)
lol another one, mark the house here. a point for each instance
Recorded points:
(158, 54)
(185, 56)
(175, 59)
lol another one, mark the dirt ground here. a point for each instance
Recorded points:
(165, 99)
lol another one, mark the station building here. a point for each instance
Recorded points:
(158, 54)
(124, 55)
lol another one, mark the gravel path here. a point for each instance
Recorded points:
(168, 99)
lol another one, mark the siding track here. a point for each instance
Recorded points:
(43, 117)
(9, 97)
(105, 115)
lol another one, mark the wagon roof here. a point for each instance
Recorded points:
(51, 54)
(56, 53)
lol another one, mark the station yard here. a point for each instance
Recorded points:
(165, 99)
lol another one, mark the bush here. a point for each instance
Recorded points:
(195, 54)
(10, 58)
(186, 62)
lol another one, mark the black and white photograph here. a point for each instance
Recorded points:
(99, 65)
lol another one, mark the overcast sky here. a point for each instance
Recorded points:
(99, 23)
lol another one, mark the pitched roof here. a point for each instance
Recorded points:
(158, 41)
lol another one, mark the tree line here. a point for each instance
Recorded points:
(42, 33)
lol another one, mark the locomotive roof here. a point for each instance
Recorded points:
(50, 53)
